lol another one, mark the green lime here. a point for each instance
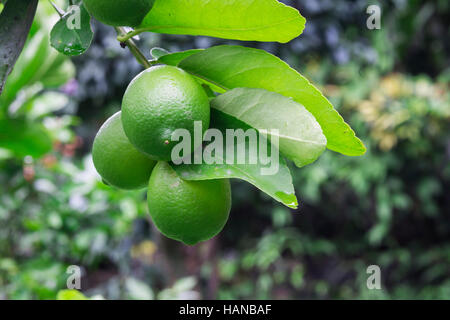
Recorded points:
(117, 161)
(187, 211)
(159, 101)
(119, 12)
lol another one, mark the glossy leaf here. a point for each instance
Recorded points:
(278, 185)
(262, 20)
(70, 36)
(300, 136)
(229, 67)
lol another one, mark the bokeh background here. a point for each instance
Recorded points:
(390, 207)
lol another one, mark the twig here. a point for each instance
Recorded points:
(60, 12)
(140, 57)
(126, 36)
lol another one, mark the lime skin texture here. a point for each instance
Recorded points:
(159, 101)
(187, 211)
(119, 13)
(117, 161)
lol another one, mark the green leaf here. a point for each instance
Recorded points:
(278, 185)
(72, 37)
(156, 52)
(24, 138)
(262, 20)
(175, 58)
(300, 136)
(229, 67)
(70, 295)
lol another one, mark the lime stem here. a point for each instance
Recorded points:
(140, 57)
(123, 37)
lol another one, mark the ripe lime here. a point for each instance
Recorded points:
(159, 101)
(119, 12)
(118, 162)
(187, 211)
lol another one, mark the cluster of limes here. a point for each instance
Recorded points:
(133, 147)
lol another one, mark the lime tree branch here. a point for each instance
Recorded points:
(140, 57)
(15, 23)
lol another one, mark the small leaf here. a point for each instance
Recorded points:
(278, 185)
(174, 58)
(262, 20)
(300, 136)
(72, 34)
(229, 67)
(157, 53)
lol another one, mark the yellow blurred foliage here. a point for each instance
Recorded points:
(144, 251)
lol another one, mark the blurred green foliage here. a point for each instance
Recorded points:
(389, 207)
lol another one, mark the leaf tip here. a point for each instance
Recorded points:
(360, 150)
